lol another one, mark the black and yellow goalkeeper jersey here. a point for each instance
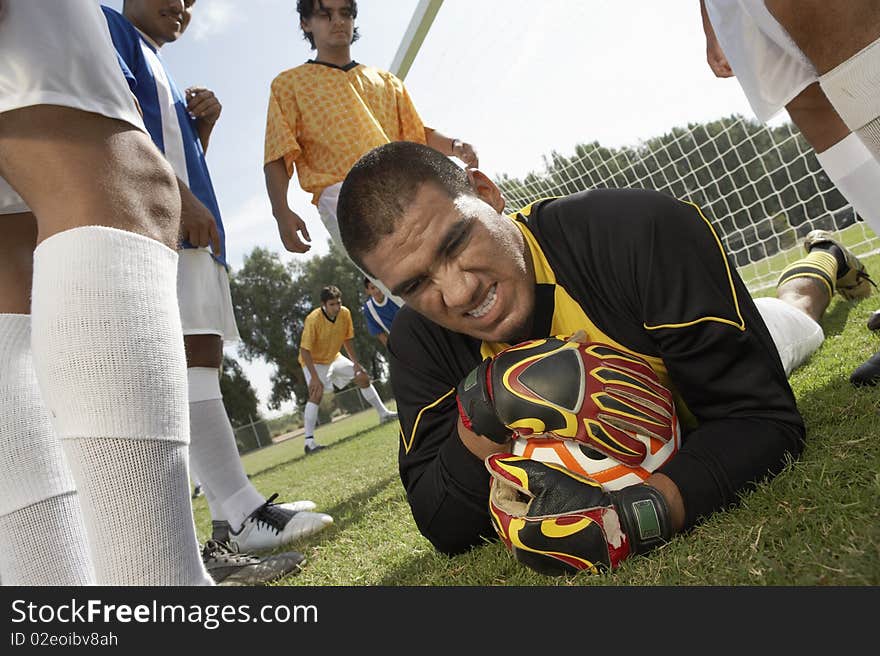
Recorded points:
(634, 268)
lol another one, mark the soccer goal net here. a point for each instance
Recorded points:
(761, 186)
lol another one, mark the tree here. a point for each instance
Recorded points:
(239, 396)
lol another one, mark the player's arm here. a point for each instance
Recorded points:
(348, 344)
(714, 55)
(440, 462)
(290, 225)
(204, 106)
(452, 147)
(383, 338)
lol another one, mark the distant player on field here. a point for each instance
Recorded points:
(326, 330)
(379, 312)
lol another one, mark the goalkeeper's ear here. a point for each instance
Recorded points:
(485, 189)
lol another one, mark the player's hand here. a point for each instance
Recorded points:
(593, 393)
(558, 522)
(198, 227)
(716, 59)
(316, 388)
(290, 226)
(466, 153)
(202, 104)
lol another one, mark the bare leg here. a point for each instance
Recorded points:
(17, 262)
(828, 33)
(105, 312)
(806, 294)
(816, 118)
(76, 169)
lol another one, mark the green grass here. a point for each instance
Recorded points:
(817, 523)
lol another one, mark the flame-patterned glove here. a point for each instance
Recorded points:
(558, 522)
(593, 393)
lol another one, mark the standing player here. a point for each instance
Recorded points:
(97, 368)
(326, 113)
(325, 331)
(744, 39)
(181, 127)
(379, 312)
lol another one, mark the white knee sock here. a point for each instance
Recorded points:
(856, 174)
(372, 397)
(310, 419)
(853, 88)
(213, 452)
(42, 532)
(108, 352)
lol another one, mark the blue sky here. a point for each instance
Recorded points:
(516, 78)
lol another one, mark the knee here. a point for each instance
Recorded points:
(315, 397)
(362, 380)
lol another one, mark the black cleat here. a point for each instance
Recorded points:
(867, 374)
(227, 566)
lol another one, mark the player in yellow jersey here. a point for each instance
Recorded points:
(326, 113)
(326, 330)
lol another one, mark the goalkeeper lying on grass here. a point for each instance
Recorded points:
(671, 335)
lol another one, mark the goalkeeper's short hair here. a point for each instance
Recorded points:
(382, 184)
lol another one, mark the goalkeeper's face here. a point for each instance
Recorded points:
(460, 263)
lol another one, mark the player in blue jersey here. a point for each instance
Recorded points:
(180, 124)
(379, 311)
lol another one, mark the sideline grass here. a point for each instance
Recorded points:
(817, 523)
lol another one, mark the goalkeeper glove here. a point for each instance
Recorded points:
(593, 393)
(558, 522)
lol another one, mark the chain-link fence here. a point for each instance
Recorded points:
(258, 433)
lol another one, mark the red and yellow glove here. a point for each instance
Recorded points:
(558, 522)
(592, 393)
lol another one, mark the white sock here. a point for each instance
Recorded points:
(310, 420)
(372, 397)
(853, 89)
(108, 352)
(856, 174)
(44, 538)
(213, 452)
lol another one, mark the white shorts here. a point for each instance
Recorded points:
(769, 66)
(795, 334)
(59, 53)
(327, 203)
(203, 295)
(338, 373)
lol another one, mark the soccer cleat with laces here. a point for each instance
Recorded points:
(853, 281)
(272, 525)
(228, 566)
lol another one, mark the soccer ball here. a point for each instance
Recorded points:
(580, 458)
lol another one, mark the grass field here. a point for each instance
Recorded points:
(817, 523)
